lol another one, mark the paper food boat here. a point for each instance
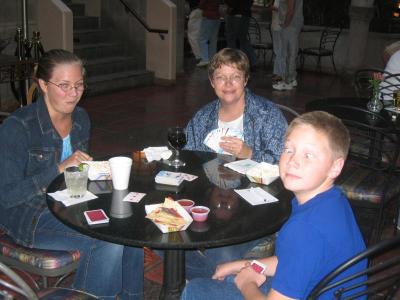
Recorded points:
(99, 170)
(165, 228)
(263, 173)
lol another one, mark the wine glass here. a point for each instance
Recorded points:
(177, 140)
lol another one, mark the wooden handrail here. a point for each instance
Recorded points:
(142, 21)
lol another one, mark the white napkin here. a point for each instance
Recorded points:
(241, 166)
(99, 170)
(64, 197)
(157, 153)
(256, 196)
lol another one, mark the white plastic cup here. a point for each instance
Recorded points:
(120, 171)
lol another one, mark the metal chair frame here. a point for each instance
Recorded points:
(256, 41)
(383, 276)
(388, 86)
(287, 111)
(327, 43)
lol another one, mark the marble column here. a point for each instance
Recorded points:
(180, 32)
(360, 18)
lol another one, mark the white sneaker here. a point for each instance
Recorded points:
(293, 83)
(282, 86)
(202, 63)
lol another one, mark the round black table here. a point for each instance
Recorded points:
(231, 220)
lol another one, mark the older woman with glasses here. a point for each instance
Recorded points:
(258, 124)
(37, 143)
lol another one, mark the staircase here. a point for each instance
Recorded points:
(108, 67)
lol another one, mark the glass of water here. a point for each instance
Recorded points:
(76, 179)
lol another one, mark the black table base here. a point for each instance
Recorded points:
(174, 279)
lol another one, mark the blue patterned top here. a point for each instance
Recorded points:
(264, 127)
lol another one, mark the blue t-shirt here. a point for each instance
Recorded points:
(67, 148)
(320, 235)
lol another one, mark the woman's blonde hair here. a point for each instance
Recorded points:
(230, 57)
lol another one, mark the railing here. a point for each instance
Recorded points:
(142, 21)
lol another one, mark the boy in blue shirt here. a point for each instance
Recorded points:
(321, 232)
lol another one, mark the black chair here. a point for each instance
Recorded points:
(390, 84)
(383, 274)
(288, 112)
(368, 178)
(326, 48)
(256, 40)
(362, 83)
(12, 286)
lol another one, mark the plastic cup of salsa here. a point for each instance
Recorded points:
(186, 204)
(200, 213)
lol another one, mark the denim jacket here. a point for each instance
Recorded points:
(29, 154)
(264, 127)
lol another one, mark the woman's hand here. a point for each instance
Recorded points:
(229, 268)
(248, 275)
(75, 159)
(236, 147)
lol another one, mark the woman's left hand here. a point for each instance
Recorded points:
(235, 146)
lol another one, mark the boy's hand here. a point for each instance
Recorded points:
(227, 269)
(236, 147)
(247, 276)
(74, 160)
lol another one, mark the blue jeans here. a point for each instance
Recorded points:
(290, 48)
(236, 28)
(208, 38)
(210, 289)
(105, 269)
(203, 264)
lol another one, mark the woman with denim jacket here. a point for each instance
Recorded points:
(37, 143)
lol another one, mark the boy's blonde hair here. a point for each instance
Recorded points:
(230, 57)
(332, 127)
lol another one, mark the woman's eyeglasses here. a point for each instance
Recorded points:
(234, 79)
(66, 87)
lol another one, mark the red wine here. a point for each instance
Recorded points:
(177, 140)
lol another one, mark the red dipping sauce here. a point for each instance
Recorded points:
(199, 210)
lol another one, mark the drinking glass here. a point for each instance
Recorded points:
(76, 179)
(177, 140)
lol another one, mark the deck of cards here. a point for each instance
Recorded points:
(258, 266)
(173, 178)
(213, 138)
(97, 216)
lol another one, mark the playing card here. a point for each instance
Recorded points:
(188, 177)
(213, 138)
(257, 266)
(97, 216)
(134, 197)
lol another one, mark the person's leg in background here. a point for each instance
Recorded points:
(242, 34)
(213, 39)
(193, 31)
(230, 33)
(278, 69)
(205, 32)
(292, 42)
(102, 264)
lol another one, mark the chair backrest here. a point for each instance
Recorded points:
(15, 284)
(383, 274)
(362, 79)
(373, 142)
(288, 112)
(254, 31)
(388, 86)
(329, 37)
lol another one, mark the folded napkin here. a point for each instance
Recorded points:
(241, 166)
(256, 196)
(99, 170)
(157, 153)
(64, 197)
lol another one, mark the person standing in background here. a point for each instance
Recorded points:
(292, 22)
(237, 25)
(194, 26)
(209, 30)
(277, 19)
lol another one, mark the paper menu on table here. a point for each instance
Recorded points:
(256, 196)
(241, 166)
